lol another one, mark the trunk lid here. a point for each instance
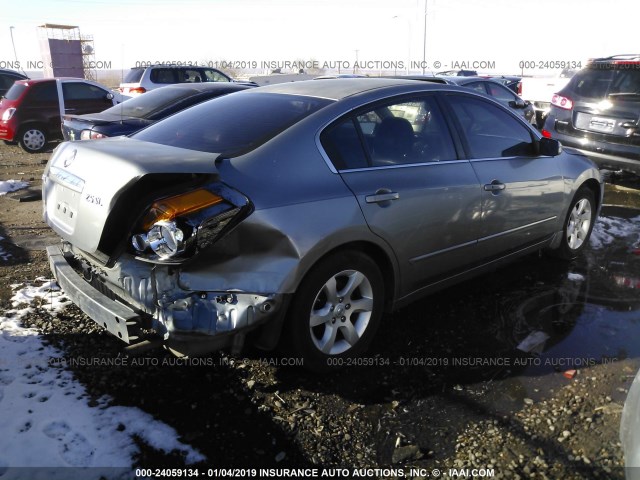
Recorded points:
(111, 125)
(83, 181)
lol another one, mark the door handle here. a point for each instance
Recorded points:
(382, 196)
(494, 186)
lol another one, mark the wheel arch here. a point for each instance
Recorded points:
(593, 185)
(33, 124)
(271, 333)
(382, 258)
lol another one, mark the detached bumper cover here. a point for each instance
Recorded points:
(211, 319)
(105, 312)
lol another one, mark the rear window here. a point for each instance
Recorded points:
(46, 92)
(233, 124)
(134, 75)
(15, 91)
(145, 105)
(602, 81)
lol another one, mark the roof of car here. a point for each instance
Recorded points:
(51, 79)
(465, 80)
(335, 89)
(622, 57)
(168, 65)
(205, 86)
(12, 72)
(424, 78)
(454, 80)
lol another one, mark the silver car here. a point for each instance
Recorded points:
(300, 212)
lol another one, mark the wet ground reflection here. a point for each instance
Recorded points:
(526, 326)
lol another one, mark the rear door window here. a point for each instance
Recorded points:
(43, 93)
(402, 132)
(477, 86)
(80, 98)
(165, 75)
(500, 93)
(191, 76)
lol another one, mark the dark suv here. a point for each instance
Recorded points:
(598, 112)
(7, 77)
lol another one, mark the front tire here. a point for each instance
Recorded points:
(32, 139)
(578, 225)
(336, 311)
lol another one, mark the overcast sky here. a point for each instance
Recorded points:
(500, 31)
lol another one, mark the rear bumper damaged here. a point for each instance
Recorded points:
(143, 304)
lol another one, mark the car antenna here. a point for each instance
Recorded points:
(121, 81)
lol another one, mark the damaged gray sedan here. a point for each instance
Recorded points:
(298, 213)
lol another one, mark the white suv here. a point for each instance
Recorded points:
(143, 79)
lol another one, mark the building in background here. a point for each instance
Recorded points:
(66, 53)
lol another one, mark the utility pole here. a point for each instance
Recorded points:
(424, 39)
(15, 55)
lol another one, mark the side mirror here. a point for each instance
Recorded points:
(550, 147)
(110, 96)
(519, 103)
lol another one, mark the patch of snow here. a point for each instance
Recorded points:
(46, 420)
(608, 229)
(7, 186)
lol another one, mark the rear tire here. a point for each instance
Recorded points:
(578, 225)
(335, 311)
(32, 139)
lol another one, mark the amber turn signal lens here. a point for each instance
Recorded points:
(172, 207)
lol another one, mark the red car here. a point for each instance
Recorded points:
(30, 112)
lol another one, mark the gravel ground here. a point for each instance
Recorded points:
(253, 410)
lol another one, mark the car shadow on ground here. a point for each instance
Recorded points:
(477, 352)
(10, 253)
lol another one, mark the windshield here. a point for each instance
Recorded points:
(233, 124)
(144, 106)
(600, 82)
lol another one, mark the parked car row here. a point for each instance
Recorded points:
(31, 110)
(539, 90)
(597, 112)
(143, 110)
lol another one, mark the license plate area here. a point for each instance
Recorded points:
(602, 124)
(62, 206)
